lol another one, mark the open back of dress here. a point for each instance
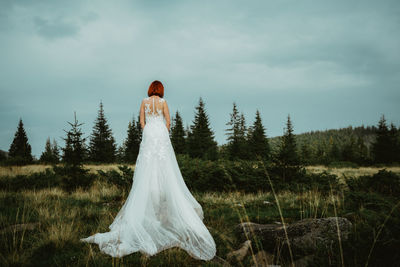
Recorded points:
(160, 212)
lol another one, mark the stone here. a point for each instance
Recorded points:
(304, 236)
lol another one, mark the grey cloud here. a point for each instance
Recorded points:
(56, 28)
(90, 17)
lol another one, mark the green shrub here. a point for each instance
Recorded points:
(249, 176)
(123, 180)
(37, 180)
(73, 177)
(383, 182)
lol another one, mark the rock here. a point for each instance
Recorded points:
(305, 236)
(240, 253)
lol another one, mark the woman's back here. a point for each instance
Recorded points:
(154, 108)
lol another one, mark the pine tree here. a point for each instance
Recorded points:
(288, 150)
(361, 151)
(258, 142)
(383, 144)
(48, 155)
(395, 141)
(243, 135)
(201, 142)
(237, 145)
(178, 135)
(75, 149)
(56, 151)
(335, 153)
(233, 145)
(306, 154)
(120, 155)
(20, 151)
(349, 150)
(102, 146)
(132, 142)
(287, 159)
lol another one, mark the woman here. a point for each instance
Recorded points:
(160, 212)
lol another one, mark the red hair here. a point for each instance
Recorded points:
(156, 88)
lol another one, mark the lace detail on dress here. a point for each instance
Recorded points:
(154, 112)
(154, 148)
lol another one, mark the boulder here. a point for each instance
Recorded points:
(304, 236)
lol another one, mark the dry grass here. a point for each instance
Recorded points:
(340, 172)
(354, 172)
(29, 169)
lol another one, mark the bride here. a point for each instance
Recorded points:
(160, 212)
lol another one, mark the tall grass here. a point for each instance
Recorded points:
(32, 168)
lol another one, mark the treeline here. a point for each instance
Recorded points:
(358, 146)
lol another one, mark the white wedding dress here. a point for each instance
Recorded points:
(159, 212)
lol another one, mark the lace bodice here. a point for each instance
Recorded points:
(153, 108)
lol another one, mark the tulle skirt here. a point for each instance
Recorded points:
(159, 212)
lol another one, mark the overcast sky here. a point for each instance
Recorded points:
(329, 64)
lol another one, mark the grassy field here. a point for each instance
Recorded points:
(340, 172)
(43, 227)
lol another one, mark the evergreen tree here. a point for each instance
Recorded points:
(349, 150)
(56, 151)
(233, 139)
(288, 149)
(321, 153)
(243, 135)
(237, 144)
(75, 149)
(120, 155)
(258, 142)
(334, 153)
(187, 131)
(132, 142)
(48, 155)
(395, 141)
(287, 159)
(306, 154)
(361, 151)
(382, 146)
(102, 146)
(201, 142)
(178, 135)
(3, 155)
(20, 151)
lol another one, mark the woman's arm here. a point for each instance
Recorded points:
(142, 123)
(166, 115)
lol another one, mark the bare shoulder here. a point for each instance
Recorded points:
(163, 101)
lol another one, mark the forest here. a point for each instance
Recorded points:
(351, 146)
